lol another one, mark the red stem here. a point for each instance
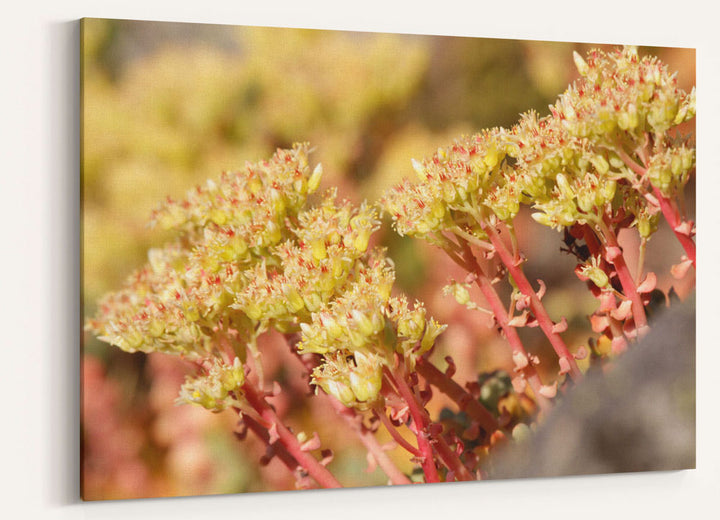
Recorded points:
(262, 432)
(627, 282)
(465, 401)
(538, 309)
(451, 460)
(501, 316)
(672, 215)
(368, 439)
(419, 418)
(380, 414)
(316, 470)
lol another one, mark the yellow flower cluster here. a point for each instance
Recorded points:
(452, 185)
(362, 329)
(213, 390)
(156, 310)
(307, 270)
(250, 255)
(572, 166)
(621, 91)
(173, 303)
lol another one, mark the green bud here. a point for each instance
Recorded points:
(341, 391)
(597, 276)
(362, 240)
(601, 165)
(318, 249)
(461, 294)
(314, 180)
(542, 218)
(156, 328)
(363, 323)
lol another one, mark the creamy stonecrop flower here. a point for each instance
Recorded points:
(606, 146)
(214, 390)
(251, 254)
(569, 165)
(259, 250)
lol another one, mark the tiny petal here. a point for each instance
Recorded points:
(541, 291)
(519, 321)
(561, 326)
(311, 444)
(599, 322)
(581, 353)
(680, 270)
(649, 284)
(623, 311)
(548, 391)
(580, 63)
(564, 366)
(519, 384)
(314, 180)
(685, 228)
(521, 360)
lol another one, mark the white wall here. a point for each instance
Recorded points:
(39, 273)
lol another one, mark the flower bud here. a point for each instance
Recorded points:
(597, 276)
(564, 186)
(314, 181)
(294, 300)
(338, 389)
(600, 164)
(366, 378)
(363, 323)
(580, 64)
(156, 328)
(542, 218)
(461, 294)
(318, 249)
(362, 240)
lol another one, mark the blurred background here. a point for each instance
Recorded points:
(166, 106)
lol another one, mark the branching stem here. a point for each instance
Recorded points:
(626, 279)
(673, 217)
(501, 316)
(419, 417)
(538, 309)
(399, 439)
(368, 439)
(286, 438)
(464, 400)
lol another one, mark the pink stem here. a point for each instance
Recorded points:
(538, 309)
(465, 401)
(501, 316)
(316, 470)
(262, 432)
(627, 282)
(419, 418)
(380, 414)
(451, 460)
(368, 439)
(672, 215)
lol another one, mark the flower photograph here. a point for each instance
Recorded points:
(318, 259)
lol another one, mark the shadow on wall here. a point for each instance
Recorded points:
(637, 416)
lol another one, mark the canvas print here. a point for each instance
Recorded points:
(319, 259)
